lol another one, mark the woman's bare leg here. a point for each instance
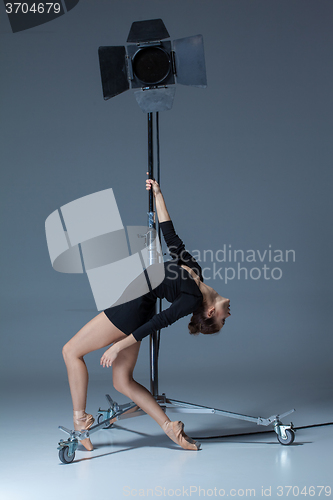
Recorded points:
(98, 333)
(123, 382)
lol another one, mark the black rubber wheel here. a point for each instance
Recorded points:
(100, 419)
(63, 455)
(289, 439)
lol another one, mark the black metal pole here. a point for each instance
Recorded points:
(151, 225)
(158, 229)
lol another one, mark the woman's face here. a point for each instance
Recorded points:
(222, 309)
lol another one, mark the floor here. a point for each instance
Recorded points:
(135, 458)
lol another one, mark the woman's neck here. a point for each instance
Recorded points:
(209, 294)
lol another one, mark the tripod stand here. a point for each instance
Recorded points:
(285, 433)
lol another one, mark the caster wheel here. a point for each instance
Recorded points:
(290, 436)
(100, 419)
(64, 457)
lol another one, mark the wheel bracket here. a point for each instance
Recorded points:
(281, 429)
(72, 445)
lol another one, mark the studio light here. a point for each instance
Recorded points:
(152, 65)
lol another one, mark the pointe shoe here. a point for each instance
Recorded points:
(175, 431)
(83, 421)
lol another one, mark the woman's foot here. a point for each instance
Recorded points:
(175, 431)
(83, 421)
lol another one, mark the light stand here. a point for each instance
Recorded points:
(152, 66)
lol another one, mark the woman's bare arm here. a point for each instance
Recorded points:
(110, 355)
(161, 209)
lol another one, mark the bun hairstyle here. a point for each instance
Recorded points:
(201, 324)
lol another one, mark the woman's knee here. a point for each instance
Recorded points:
(68, 351)
(65, 351)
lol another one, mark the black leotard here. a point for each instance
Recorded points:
(178, 287)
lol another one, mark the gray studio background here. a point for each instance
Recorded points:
(246, 162)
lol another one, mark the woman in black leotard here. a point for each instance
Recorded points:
(124, 326)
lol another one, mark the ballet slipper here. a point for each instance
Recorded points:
(175, 431)
(83, 421)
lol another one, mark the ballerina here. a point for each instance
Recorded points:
(124, 326)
